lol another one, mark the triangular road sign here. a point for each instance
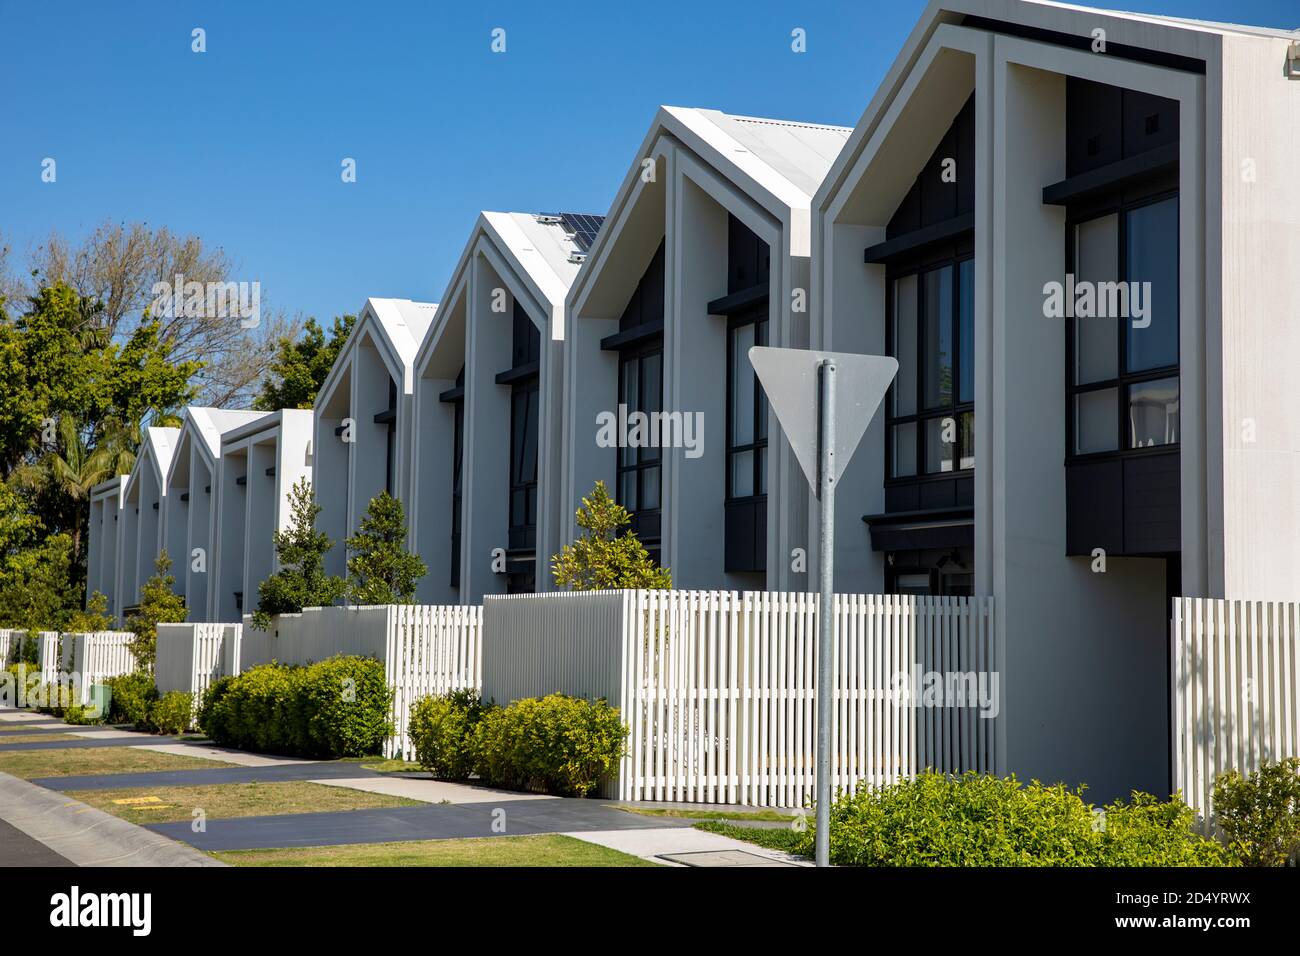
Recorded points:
(789, 378)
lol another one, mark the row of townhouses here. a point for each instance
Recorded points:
(1078, 231)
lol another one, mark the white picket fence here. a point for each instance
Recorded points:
(718, 687)
(425, 649)
(82, 659)
(431, 649)
(192, 657)
(96, 656)
(1236, 680)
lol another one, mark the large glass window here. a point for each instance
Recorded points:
(1124, 392)
(524, 399)
(931, 404)
(747, 413)
(523, 457)
(640, 388)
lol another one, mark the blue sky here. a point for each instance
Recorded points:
(242, 144)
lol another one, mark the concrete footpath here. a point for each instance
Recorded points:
(41, 826)
(80, 834)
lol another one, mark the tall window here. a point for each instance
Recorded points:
(457, 468)
(747, 408)
(640, 388)
(1124, 392)
(388, 417)
(931, 408)
(524, 394)
(640, 346)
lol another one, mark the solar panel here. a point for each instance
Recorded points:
(582, 226)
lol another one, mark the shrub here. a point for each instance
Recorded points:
(210, 714)
(442, 730)
(333, 708)
(554, 744)
(131, 698)
(979, 820)
(1259, 814)
(171, 713)
(159, 604)
(346, 702)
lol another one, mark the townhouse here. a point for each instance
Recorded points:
(361, 435)
(189, 506)
(487, 510)
(102, 556)
(704, 253)
(261, 460)
(140, 532)
(1076, 230)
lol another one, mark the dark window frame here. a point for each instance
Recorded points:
(525, 391)
(952, 257)
(1118, 203)
(636, 354)
(761, 321)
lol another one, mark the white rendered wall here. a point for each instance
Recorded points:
(232, 513)
(1254, 170)
(486, 479)
(330, 473)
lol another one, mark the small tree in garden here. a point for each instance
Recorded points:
(159, 604)
(301, 580)
(1259, 812)
(603, 556)
(380, 569)
(93, 618)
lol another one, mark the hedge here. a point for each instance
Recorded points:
(978, 820)
(555, 744)
(334, 708)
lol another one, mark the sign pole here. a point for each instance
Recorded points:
(825, 615)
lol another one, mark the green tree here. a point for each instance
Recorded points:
(159, 604)
(605, 556)
(300, 367)
(93, 618)
(72, 398)
(301, 580)
(380, 569)
(34, 569)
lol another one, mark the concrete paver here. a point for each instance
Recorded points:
(85, 836)
(657, 842)
(428, 790)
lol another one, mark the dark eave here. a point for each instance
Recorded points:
(918, 239)
(1105, 179)
(632, 336)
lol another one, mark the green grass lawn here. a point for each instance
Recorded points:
(384, 765)
(783, 839)
(35, 738)
(95, 760)
(545, 850)
(18, 728)
(684, 814)
(169, 804)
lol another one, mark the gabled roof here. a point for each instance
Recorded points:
(115, 486)
(396, 326)
(209, 424)
(271, 421)
(800, 153)
(544, 250)
(157, 449)
(779, 163)
(1195, 39)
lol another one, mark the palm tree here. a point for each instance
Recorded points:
(72, 467)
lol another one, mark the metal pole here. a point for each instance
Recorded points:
(825, 615)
